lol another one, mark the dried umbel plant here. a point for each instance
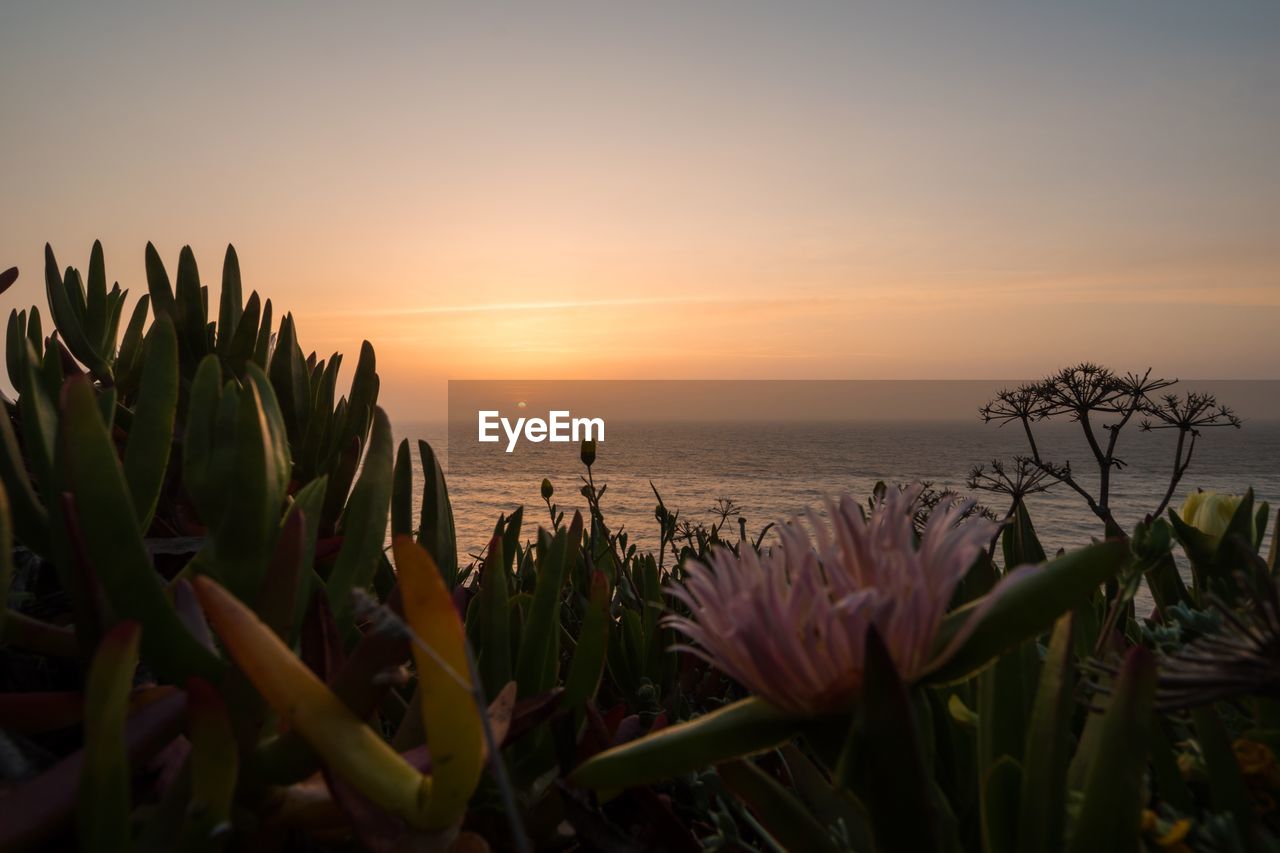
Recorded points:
(1017, 481)
(1103, 403)
(1188, 414)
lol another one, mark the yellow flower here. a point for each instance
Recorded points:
(1209, 512)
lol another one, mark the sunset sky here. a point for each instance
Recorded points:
(673, 190)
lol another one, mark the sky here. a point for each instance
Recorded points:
(674, 190)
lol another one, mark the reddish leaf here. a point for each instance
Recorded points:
(37, 809)
(279, 588)
(531, 711)
(321, 642)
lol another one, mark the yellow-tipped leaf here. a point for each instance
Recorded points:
(455, 735)
(351, 749)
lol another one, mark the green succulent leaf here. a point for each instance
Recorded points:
(363, 396)
(313, 456)
(146, 456)
(289, 378)
(240, 349)
(103, 804)
(158, 286)
(1005, 691)
(279, 461)
(1168, 775)
(587, 667)
(15, 347)
(199, 477)
(343, 470)
(830, 803)
(779, 811)
(540, 641)
(6, 556)
(1027, 608)
(1019, 541)
(107, 398)
(109, 524)
(743, 728)
(493, 628)
(30, 518)
(435, 530)
(309, 503)
(129, 356)
(884, 760)
(364, 524)
(230, 306)
(191, 310)
(39, 422)
(251, 491)
(1048, 749)
(278, 597)
(66, 303)
(402, 492)
(97, 313)
(1228, 791)
(511, 537)
(1000, 797)
(214, 765)
(1110, 815)
(262, 345)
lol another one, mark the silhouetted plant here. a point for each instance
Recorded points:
(1017, 481)
(1187, 414)
(1103, 403)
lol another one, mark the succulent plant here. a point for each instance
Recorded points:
(197, 468)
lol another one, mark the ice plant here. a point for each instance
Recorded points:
(790, 624)
(436, 801)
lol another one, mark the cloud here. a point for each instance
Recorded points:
(551, 305)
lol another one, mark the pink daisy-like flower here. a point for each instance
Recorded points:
(791, 624)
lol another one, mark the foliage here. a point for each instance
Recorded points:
(207, 646)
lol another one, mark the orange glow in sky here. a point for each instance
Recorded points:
(674, 190)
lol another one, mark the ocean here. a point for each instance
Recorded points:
(774, 470)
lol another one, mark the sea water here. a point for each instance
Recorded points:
(774, 470)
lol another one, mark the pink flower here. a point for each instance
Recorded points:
(791, 625)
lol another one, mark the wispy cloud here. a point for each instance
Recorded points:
(555, 305)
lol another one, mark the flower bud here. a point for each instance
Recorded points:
(589, 452)
(1209, 512)
(547, 489)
